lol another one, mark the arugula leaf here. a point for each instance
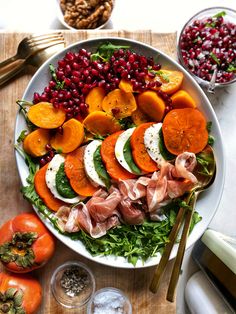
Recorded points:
(98, 137)
(126, 123)
(211, 139)
(105, 51)
(197, 39)
(214, 57)
(231, 68)
(209, 126)
(100, 168)
(59, 85)
(212, 24)
(160, 73)
(195, 219)
(204, 162)
(22, 104)
(220, 14)
(129, 158)
(22, 136)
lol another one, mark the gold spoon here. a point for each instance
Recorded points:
(205, 173)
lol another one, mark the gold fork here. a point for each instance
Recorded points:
(33, 50)
(32, 44)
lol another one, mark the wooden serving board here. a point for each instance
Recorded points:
(133, 282)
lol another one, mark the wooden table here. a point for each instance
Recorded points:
(133, 282)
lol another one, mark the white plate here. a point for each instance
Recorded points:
(208, 201)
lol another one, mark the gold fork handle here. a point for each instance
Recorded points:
(8, 61)
(166, 254)
(9, 72)
(179, 258)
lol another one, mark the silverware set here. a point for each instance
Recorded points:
(32, 50)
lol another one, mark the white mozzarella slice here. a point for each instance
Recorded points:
(151, 142)
(119, 148)
(50, 178)
(89, 163)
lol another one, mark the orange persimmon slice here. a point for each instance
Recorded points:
(43, 191)
(75, 171)
(185, 130)
(45, 116)
(71, 138)
(139, 152)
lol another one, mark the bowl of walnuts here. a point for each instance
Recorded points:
(84, 14)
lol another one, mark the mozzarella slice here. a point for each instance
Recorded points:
(119, 148)
(50, 178)
(151, 142)
(89, 163)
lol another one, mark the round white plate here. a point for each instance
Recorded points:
(208, 201)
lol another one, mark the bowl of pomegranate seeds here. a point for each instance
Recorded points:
(207, 46)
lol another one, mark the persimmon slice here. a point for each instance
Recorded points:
(185, 130)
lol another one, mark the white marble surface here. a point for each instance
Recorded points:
(162, 16)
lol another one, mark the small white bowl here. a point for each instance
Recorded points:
(60, 16)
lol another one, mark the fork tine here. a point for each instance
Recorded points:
(45, 38)
(47, 44)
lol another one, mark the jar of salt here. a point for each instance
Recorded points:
(109, 301)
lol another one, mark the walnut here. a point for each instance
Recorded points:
(89, 14)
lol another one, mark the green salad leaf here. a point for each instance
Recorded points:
(214, 57)
(105, 51)
(59, 85)
(220, 14)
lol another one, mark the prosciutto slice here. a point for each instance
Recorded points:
(67, 219)
(95, 229)
(103, 205)
(134, 189)
(130, 213)
(184, 165)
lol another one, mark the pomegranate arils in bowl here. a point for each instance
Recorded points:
(208, 43)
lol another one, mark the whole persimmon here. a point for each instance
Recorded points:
(19, 293)
(25, 243)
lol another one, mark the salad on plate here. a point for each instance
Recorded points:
(111, 145)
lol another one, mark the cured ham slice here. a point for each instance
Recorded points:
(184, 165)
(134, 189)
(103, 205)
(95, 229)
(67, 219)
(156, 190)
(130, 213)
(76, 218)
